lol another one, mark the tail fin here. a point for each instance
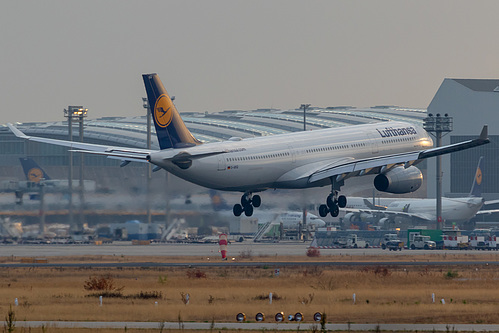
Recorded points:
(218, 202)
(476, 188)
(34, 173)
(170, 129)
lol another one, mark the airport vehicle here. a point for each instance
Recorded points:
(297, 160)
(353, 242)
(395, 245)
(424, 210)
(455, 241)
(389, 238)
(422, 242)
(482, 239)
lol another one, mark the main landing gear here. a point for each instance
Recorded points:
(334, 201)
(333, 204)
(248, 201)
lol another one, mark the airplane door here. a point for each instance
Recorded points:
(373, 142)
(292, 152)
(222, 163)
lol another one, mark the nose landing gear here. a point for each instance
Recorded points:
(248, 201)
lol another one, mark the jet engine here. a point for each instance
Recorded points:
(356, 217)
(399, 180)
(352, 217)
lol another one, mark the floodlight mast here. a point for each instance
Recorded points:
(436, 126)
(75, 113)
(303, 224)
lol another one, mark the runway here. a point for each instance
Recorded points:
(207, 255)
(210, 250)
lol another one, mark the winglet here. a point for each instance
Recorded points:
(17, 132)
(484, 135)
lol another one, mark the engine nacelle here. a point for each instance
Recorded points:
(352, 217)
(399, 180)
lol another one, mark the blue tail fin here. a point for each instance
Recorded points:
(476, 188)
(218, 202)
(34, 173)
(170, 129)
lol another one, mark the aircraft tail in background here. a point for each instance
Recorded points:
(32, 171)
(218, 202)
(476, 188)
(170, 128)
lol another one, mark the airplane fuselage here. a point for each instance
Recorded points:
(285, 161)
(453, 209)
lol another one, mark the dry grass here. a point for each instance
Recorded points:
(383, 294)
(247, 256)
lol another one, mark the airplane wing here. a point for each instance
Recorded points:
(114, 152)
(389, 213)
(425, 217)
(487, 212)
(122, 153)
(420, 216)
(358, 166)
(491, 202)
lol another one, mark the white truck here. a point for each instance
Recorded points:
(389, 240)
(455, 241)
(483, 242)
(352, 241)
(422, 242)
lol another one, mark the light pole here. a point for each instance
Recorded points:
(304, 209)
(42, 206)
(72, 113)
(145, 104)
(304, 107)
(436, 126)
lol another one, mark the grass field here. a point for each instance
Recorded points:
(383, 294)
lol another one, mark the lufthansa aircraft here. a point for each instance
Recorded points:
(424, 210)
(293, 161)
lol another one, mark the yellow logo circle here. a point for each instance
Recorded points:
(35, 175)
(478, 176)
(163, 111)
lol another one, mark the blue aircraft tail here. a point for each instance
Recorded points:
(170, 129)
(32, 171)
(218, 202)
(476, 188)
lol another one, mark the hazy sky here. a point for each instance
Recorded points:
(218, 55)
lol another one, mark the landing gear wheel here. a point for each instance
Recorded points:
(323, 210)
(245, 200)
(342, 201)
(256, 201)
(335, 211)
(237, 210)
(248, 210)
(330, 202)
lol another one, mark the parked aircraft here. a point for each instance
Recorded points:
(35, 176)
(424, 210)
(305, 159)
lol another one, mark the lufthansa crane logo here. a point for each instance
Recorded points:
(35, 175)
(163, 111)
(478, 176)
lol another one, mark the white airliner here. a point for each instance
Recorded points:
(297, 160)
(453, 209)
